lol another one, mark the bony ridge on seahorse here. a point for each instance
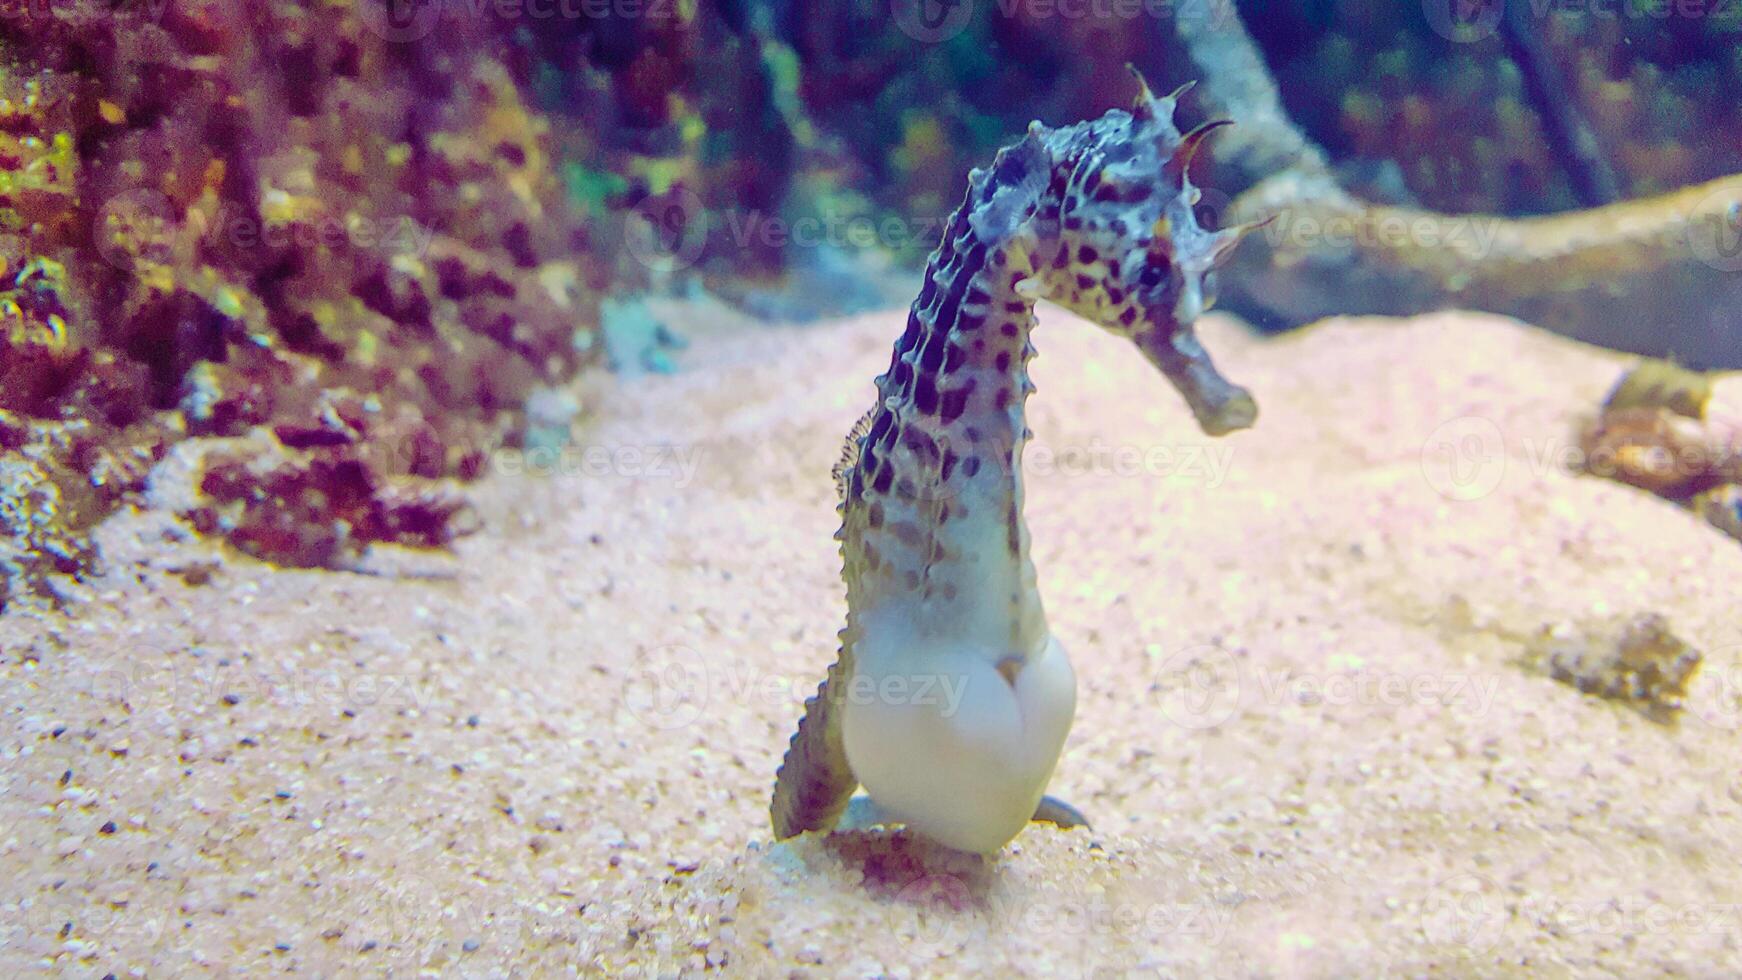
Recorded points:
(951, 699)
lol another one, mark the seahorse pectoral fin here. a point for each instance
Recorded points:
(1220, 405)
(815, 779)
(1058, 813)
(863, 813)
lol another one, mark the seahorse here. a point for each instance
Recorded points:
(951, 699)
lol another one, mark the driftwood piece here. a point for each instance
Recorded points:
(1660, 276)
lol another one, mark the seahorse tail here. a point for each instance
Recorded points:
(815, 781)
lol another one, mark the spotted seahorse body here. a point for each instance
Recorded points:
(951, 699)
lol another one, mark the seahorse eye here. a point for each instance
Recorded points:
(1153, 272)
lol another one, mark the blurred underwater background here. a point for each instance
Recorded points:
(396, 395)
(217, 216)
(380, 229)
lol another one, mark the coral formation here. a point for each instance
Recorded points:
(1659, 430)
(218, 216)
(1637, 660)
(320, 507)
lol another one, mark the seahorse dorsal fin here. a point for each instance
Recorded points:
(850, 451)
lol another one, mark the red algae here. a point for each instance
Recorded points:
(217, 216)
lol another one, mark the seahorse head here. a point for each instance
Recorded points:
(1124, 249)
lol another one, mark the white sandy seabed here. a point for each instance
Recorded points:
(1306, 734)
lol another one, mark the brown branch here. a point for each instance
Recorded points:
(1658, 276)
